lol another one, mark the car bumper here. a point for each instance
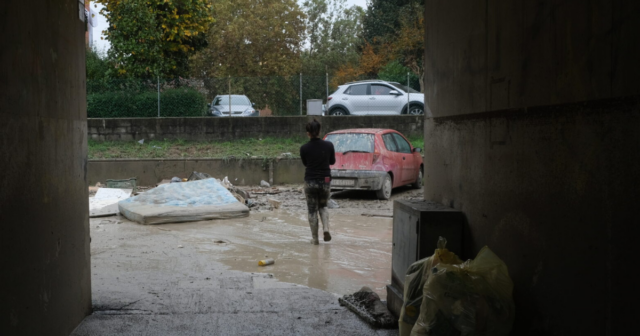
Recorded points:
(357, 179)
(255, 114)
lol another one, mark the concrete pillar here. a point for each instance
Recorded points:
(535, 137)
(44, 229)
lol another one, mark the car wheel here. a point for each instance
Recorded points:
(418, 183)
(416, 109)
(338, 112)
(385, 192)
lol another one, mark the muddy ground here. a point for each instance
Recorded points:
(350, 202)
(358, 255)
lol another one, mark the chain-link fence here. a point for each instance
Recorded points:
(277, 95)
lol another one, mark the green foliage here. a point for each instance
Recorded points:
(252, 38)
(179, 102)
(333, 35)
(394, 71)
(394, 30)
(97, 65)
(382, 20)
(243, 148)
(239, 149)
(254, 49)
(155, 37)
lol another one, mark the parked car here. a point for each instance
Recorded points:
(376, 97)
(374, 159)
(240, 106)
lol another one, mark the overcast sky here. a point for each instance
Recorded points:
(102, 24)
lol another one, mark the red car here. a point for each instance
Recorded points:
(374, 159)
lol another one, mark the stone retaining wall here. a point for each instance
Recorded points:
(211, 128)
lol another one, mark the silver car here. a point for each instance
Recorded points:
(239, 105)
(375, 97)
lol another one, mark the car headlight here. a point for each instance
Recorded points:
(249, 111)
(216, 112)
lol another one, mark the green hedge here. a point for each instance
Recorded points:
(181, 102)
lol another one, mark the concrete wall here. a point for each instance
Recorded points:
(238, 128)
(240, 172)
(44, 231)
(534, 136)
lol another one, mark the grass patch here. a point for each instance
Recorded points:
(175, 149)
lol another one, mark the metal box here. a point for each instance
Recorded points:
(314, 106)
(417, 225)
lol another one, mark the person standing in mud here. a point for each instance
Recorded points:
(317, 155)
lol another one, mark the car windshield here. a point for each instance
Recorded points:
(404, 88)
(351, 142)
(235, 100)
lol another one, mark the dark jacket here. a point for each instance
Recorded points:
(317, 155)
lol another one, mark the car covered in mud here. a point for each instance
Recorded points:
(374, 159)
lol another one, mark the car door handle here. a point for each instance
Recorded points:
(403, 158)
(372, 98)
(345, 98)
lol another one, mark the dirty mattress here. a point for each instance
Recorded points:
(183, 202)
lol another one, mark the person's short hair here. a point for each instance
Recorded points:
(313, 127)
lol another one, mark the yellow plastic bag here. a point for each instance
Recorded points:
(472, 298)
(415, 279)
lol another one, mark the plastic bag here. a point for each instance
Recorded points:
(415, 279)
(473, 298)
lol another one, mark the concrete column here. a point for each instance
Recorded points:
(44, 228)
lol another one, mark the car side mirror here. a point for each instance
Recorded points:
(417, 149)
(209, 105)
(395, 93)
(253, 104)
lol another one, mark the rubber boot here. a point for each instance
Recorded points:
(324, 216)
(313, 224)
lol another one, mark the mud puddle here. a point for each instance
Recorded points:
(358, 255)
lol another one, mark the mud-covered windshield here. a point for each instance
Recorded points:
(351, 142)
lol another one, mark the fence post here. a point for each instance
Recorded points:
(158, 96)
(408, 98)
(301, 93)
(327, 86)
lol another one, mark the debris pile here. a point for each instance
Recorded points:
(367, 305)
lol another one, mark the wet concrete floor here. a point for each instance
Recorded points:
(202, 278)
(359, 253)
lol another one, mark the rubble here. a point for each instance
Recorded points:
(274, 203)
(368, 306)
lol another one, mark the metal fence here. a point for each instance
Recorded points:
(160, 97)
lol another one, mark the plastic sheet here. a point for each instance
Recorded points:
(417, 275)
(472, 298)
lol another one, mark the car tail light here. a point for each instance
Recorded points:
(376, 155)
(329, 98)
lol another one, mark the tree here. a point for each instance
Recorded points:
(155, 37)
(408, 45)
(97, 65)
(382, 20)
(254, 48)
(252, 38)
(394, 71)
(333, 35)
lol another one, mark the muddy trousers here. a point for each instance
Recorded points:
(317, 194)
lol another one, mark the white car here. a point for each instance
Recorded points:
(375, 97)
(239, 105)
